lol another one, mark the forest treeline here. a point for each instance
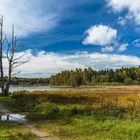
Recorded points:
(29, 81)
(87, 77)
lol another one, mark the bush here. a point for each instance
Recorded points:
(115, 84)
(128, 81)
(135, 82)
(50, 110)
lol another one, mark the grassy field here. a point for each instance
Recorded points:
(14, 131)
(81, 115)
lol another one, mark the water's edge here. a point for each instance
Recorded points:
(43, 88)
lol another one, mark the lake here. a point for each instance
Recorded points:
(32, 88)
(43, 88)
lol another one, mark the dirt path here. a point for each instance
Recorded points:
(39, 133)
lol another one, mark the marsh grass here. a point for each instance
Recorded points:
(82, 115)
(98, 103)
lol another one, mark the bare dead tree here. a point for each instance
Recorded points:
(12, 47)
(1, 55)
(13, 62)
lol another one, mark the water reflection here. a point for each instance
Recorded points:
(33, 88)
(14, 117)
(43, 88)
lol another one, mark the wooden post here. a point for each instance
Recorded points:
(8, 117)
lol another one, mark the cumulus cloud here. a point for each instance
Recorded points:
(136, 43)
(29, 16)
(108, 49)
(100, 35)
(133, 7)
(106, 37)
(45, 64)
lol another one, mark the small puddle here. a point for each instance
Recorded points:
(14, 117)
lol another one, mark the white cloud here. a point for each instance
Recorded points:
(122, 47)
(100, 35)
(106, 37)
(122, 21)
(29, 16)
(133, 7)
(116, 47)
(136, 43)
(43, 64)
(46, 63)
(33, 16)
(108, 49)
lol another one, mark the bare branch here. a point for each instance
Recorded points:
(14, 74)
(21, 56)
(8, 51)
(17, 64)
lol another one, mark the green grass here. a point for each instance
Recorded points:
(86, 127)
(14, 131)
(81, 115)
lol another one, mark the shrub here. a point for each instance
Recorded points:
(128, 81)
(49, 110)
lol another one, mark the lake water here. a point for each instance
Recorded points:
(14, 117)
(32, 88)
(43, 88)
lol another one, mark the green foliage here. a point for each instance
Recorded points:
(128, 81)
(29, 81)
(50, 110)
(136, 82)
(78, 77)
(87, 76)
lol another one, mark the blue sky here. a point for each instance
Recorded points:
(66, 34)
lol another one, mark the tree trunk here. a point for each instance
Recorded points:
(6, 90)
(1, 49)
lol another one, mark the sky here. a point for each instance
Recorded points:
(69, 34)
